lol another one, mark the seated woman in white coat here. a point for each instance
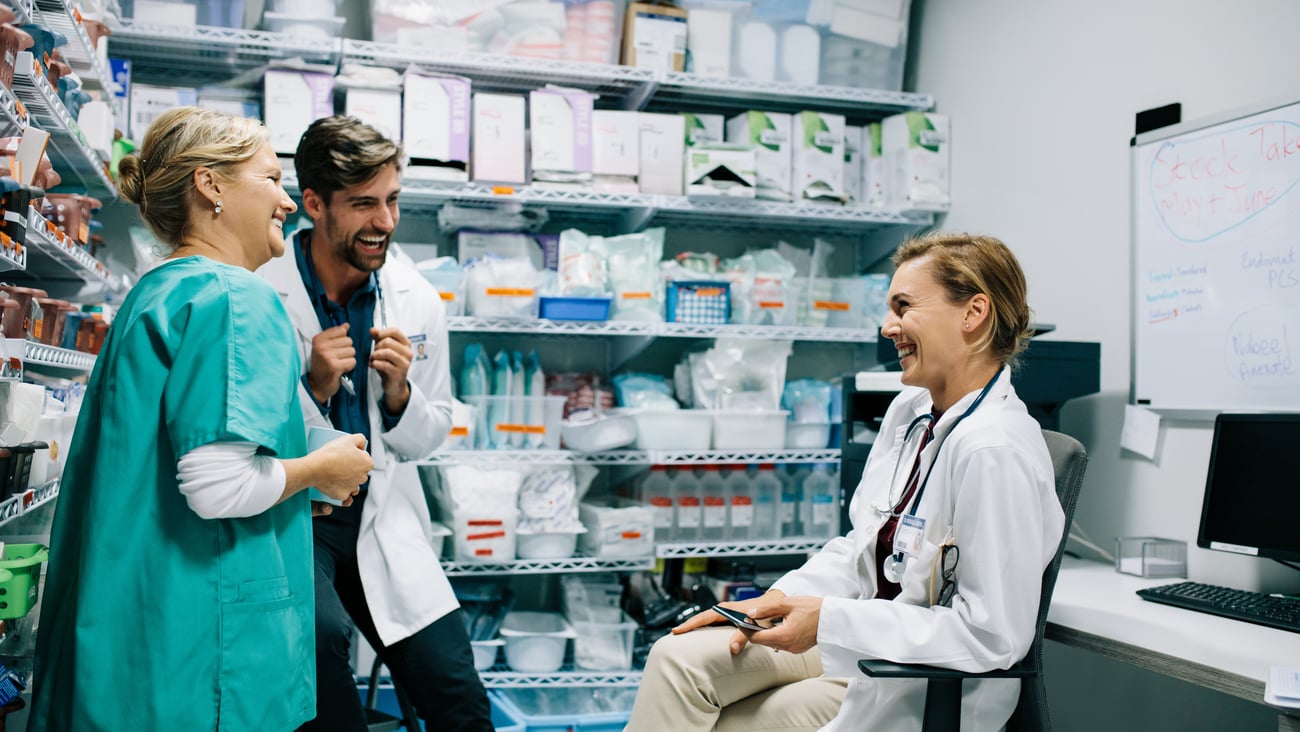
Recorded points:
(954, 521)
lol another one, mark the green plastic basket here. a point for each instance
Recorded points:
(18, 592)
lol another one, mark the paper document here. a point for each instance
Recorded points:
(1141, 431)
(1283, 687)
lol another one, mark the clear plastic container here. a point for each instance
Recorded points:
(603, 640)
(766, 491)
(713, 496)
(657, 491)
(821, 503)
(306, 27)
(688, 514)
(513, 423)
(1150, 556)
(807, 435)
(740, 503)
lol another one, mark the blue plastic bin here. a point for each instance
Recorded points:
(699, 302)
(574, 308)
(612, 721)
(503, 719)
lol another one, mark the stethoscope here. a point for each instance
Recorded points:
(896, 564)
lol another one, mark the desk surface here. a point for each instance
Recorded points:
(1097, 608)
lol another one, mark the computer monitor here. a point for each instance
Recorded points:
(1252, 491)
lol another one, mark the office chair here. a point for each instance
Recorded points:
(943, 690)
(379, 721)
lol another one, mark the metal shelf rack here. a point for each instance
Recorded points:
(199, 55)
(470, 324)
(52, 254)
(501, 677)
(67, 150)
(795, 545)
(78, 52)
(27, 501)
(45, 357)
(547, 566)
(630, 457)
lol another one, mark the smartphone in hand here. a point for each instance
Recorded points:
(743, 621)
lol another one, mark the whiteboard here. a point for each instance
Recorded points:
(1216, 282)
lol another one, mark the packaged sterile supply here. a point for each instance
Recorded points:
(435, 125)
(819, 156)
(873, 168)
(917, 152)
(560, 133)
(769, 134)
(616, 528)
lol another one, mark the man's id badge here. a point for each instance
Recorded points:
(419, 344)
(907, 539)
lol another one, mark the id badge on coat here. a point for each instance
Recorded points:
(420, 346)
(908, 536)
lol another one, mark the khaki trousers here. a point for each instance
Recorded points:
(693, 683)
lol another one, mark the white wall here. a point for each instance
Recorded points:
(1042, 96)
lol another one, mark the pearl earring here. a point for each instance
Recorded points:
(217, 209)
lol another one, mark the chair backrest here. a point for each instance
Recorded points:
(1069, 460)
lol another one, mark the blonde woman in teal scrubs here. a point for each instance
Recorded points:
(179, 592)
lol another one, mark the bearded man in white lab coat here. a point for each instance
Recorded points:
(954, 521)
(373, 338)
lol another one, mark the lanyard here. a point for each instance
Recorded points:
(920, 491)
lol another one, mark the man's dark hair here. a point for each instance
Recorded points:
(340, 151)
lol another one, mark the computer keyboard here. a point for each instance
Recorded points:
(1252, 607)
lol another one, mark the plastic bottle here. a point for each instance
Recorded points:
(821, 504)
(657, 490)
(791, 497)
(686, 500)
(713, 494)
(766, 491)
(740, 503)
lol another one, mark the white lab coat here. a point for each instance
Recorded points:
(405, 587)
(994, 487)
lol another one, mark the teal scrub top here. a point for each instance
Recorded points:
(154, 618)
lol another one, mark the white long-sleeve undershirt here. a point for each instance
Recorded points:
(229, 480)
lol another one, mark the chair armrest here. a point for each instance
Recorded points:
(889, 670)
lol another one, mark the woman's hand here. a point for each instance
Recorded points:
(797, 632)
(341, 466)
(741, 636)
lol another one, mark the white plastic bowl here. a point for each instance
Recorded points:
(547, 544)
(749, 430)
(673, 429)
(440, 534)
(607, 432)
(485, 653)
(535, 641)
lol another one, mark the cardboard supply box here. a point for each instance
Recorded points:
(768, 133)
(616, 150)
(498, 138)
(703, 129)
(663, 153)
(379, 107)
(916, 160)
(560, 127)
(708, 41)
(292, 100)
(819, 156)
(873, 168)
(853, 164)
(149, 102)
(654, 37)
(721, 170)
(435, 125)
